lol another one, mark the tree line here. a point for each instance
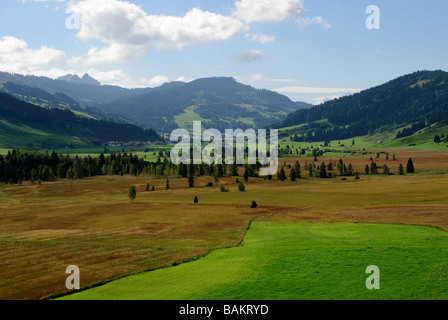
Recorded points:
(26, 165)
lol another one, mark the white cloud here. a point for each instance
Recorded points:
(128, 30)
(267, 10)
(258, 77)
(262, 38)
(155, 81)
(317, 90)
(262, 77)
(250, 55)
(305, 22)
(17, 57)
(183, 79)
(321, 100)
(283, 80)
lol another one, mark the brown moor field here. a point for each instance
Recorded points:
(92, 223)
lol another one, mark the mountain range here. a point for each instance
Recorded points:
(404, 105)
(219, 102)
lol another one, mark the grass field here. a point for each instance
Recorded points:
(92, 224)
(298, 261)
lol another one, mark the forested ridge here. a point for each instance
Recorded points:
(414, 100)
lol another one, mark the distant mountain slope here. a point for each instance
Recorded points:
(415, 100)
(18, 117)
(84, 94)
(57, 100)
(220, 102)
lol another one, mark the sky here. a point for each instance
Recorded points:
(308, 50)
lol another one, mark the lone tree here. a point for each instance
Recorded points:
(323, 170)
(196, 200)
(246, 175)
(401, 170)
(190, 180)
(241, 187)
(167, 185)
(132, 193)
(410, 166)
(253, 205)
(293, 175)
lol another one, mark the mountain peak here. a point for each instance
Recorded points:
(86, 79)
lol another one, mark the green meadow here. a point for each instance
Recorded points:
(301, 260)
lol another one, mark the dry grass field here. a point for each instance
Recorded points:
(92, 223)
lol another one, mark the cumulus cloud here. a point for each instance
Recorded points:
(155, 81)
(267, 10)
(17, 57)
(250, 55)
(128, 30)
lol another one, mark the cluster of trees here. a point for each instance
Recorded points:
(440, 139)
(334, 169)
(411, 130)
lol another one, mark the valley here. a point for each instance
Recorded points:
(347, 198)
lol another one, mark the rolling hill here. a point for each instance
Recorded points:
(26, 125)
(407, 104)
(219, 102)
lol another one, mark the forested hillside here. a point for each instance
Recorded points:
(19, 117)
(222, 102)
(415, 101)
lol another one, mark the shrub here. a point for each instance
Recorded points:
(253, 205)
(132, 193)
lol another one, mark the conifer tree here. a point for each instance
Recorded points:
(410, 166)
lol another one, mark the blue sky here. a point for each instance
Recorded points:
(309, 50)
